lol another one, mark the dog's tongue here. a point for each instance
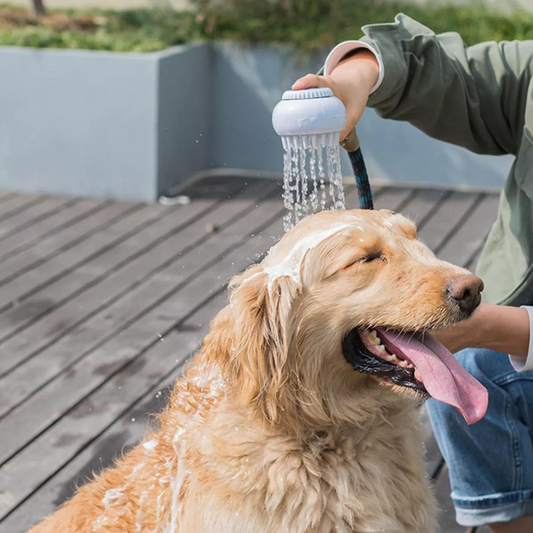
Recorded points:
(444, 378)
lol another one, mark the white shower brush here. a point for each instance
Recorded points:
(309, 118)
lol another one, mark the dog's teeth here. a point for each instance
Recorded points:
(418, 376)
(403, 363)
(393, 358)
(381, 349)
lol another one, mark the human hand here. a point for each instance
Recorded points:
(495, 327)
(351, 82)
(465, 334)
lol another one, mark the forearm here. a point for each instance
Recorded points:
(505, 329)
(494, 327)
(471, 96)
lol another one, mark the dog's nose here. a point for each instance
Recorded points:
(466, 291)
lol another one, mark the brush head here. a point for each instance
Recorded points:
(309, 118)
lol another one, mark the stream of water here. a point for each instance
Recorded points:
(312, 182)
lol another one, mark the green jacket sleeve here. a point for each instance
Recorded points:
(474, 96)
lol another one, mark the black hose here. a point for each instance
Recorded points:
(361, 179)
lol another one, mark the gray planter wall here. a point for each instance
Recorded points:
(101, 124)
(135, 126)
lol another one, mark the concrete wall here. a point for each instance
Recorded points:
(77, 122)
(184, 110)
(135, 126)
(101, 124)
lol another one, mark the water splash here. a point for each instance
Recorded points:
(205, 386)
(305, 174)
(176, 486)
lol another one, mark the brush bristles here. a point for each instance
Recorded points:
(310, 141)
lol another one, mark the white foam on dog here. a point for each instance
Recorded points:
(111, 496)
(291, 265)
(150, 445)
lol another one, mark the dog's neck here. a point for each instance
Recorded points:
(305, 416)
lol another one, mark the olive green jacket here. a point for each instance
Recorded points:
(481, 98)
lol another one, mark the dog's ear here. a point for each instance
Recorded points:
(261, 310)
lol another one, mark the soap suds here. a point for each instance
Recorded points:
(111, 496)
(150, 445)
(291, 265)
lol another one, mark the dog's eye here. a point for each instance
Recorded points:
(367, 259)
(375, 257)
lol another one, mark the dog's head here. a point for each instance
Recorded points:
(335, 317)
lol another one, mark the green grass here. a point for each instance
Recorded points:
(309, 25)
(140, 30)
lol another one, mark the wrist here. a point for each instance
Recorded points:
(487, 326)
(361, 68)
(503, 329)
(481, 327)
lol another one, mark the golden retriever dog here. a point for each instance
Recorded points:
(299, 413)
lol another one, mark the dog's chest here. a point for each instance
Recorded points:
(341, 484)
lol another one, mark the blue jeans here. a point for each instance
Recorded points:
(491, 462)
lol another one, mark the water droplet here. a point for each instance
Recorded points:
(304, 182)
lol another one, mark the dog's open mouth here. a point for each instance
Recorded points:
(417, 362)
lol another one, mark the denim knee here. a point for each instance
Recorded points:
(486, 366)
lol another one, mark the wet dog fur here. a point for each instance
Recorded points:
(271, 430)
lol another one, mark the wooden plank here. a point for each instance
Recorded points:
(116, 223)
(15, 204)
(17, 385)
(36, 213)
(107, 441)
(107, 277)
(203, 278)
(165, 316)
(472, 263)
(393, 198)
(424, 204)
(15, 244)
(446, 215)
(104, 325)
(447, 513)
(5, 195)
(471, 234)
(43, 492)
(63, 241)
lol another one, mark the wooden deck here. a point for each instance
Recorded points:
(102, 302)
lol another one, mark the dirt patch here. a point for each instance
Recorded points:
(12, 17)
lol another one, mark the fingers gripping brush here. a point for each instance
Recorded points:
(309, 123)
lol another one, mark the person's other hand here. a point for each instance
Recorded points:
(464, 334)
(351, 82)
(495, 327)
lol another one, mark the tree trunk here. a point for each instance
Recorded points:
(38, 8)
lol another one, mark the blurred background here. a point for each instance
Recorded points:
(131, 98)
